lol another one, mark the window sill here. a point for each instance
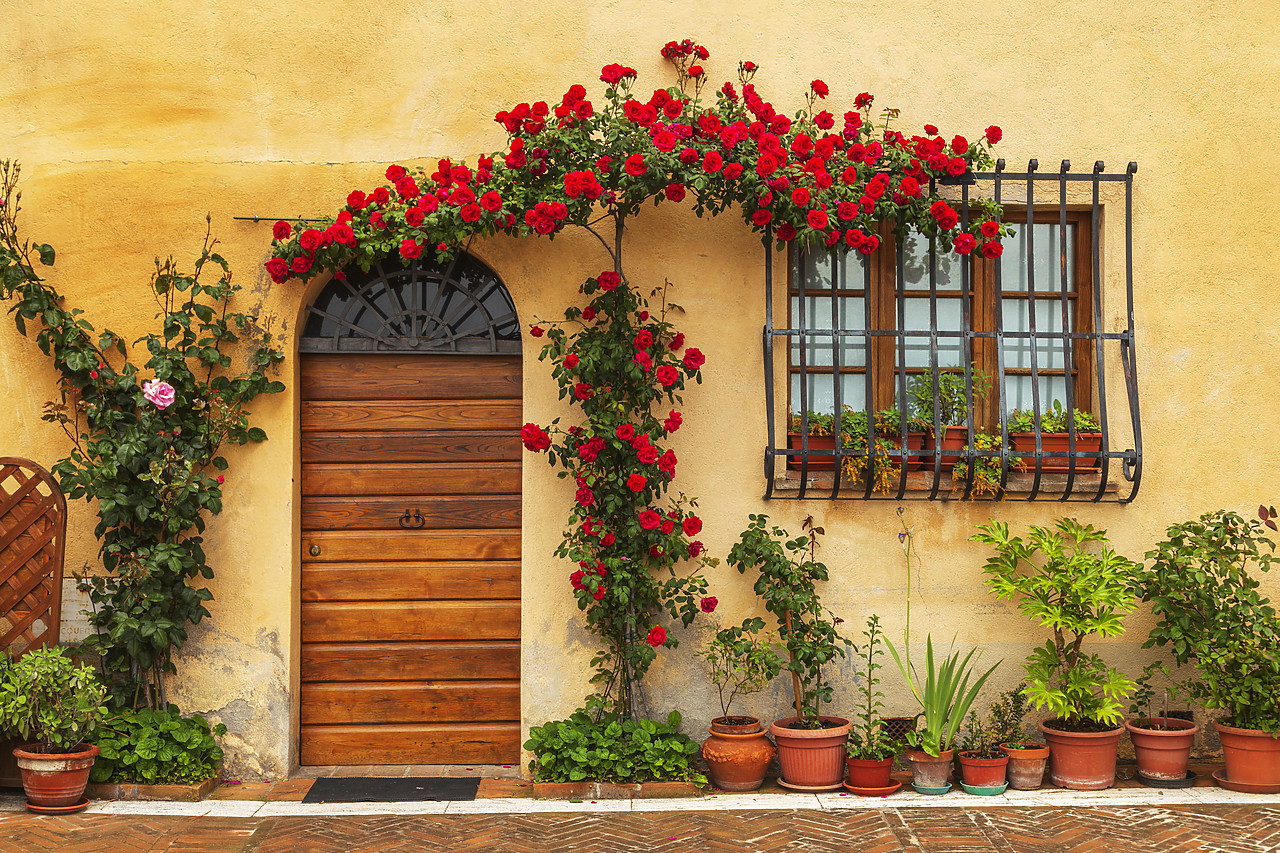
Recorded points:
(1052, 484)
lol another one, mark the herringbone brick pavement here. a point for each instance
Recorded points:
(1182, 829)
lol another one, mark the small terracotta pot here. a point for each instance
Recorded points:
(1252, 756)
(869, 772)
(737, 755)
(1026, 765)
(930, 771)
(811, 758)
(981, 772)
(1162, 755)
(57, 779)
(1082, 761)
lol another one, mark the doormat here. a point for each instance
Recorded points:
(366, 789)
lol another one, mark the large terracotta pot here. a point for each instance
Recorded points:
(979, 772)
(869, 772)
(737, 755)
(1026, 764)
(1162, 755)
(1082, 761)
(55, 781)
(811, 759)
(1253, 757)
(1024, 445)
(930, 771)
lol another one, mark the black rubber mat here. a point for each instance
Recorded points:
(362, 789)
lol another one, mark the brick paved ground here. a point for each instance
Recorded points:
(1210, 828)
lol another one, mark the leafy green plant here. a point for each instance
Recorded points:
(986, 469)
(1211, 615)
(1002, 724)
(153, 747)
(1062, 584)
(1052, 419)
(741, 660)
(868, 739)
(787, 583)
(45, 696)
(612, 749)
(146, 440)
(944, 694)
(817, 423)
(948, 395)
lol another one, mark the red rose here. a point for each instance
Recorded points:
(381, 195)
(647, 455)
(626, 432)
(588, 313)
(677, 341)
(994, 134)
(910, 187)
(635, 165)
(931, 130)
(761, 217)
(819, 88)
(643, 359)
(800, 196)
(491, 201)
(863, 100)
(675, 192)
(356, 200)
(413, 217)
(608, 539)
(712, 162)
(643, 339)
(395, 173)
(410, 249)
(990, 229)
(571, 360)
(534, 438)
(301, 264)
(786, 232)
(667, 375)
(599, 593)
(657, 636)
(575, 580)
(733, 171)
(695, 548)
(470, 213)
(692, 525)
(825, 121)
(649, 519)
(817, 220)
(278, 270)
(583, 391)
(708, 604)
(608, 280)
(585, 496)
(847, 210)
(959, 145)
(536, 331)
(693, 358)
(281, 230)
(309, 240)
(964, 243)
(956, 167)
(667, 526)
(992, 249)
(673, 421)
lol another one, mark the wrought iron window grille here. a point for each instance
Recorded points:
(424, 306)
(1088, 475)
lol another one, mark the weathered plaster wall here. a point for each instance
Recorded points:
(134, 119)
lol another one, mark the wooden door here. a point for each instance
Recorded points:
(410, 558)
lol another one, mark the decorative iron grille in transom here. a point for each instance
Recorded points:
(455, 307)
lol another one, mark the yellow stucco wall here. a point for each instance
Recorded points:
(134, 119)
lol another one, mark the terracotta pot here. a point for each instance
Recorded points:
(1253, 757)
(915, 444)
(1026, 764)
(811, 758)
(1162, 754)
(954, 438)
(736, 725)
(1082, 761)
(930, 771)
(816, 442)
(869, 772)
(981, 772)
(737, 755)
(1024, 445)
(55, 780)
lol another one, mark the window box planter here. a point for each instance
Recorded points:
(1024, 446)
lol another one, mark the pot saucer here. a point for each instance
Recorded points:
(1187, 781)
(874, 792)
(985, 790)
(932, 791)
(71, 809)
(810, 789)
(1220, 776)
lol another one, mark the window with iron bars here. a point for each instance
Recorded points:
(1015, 354)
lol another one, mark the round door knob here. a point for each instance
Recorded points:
(315, 550)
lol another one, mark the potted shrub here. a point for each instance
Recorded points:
(1161, 745)
(953, 409)
(1203, 592)
(820, 429)
(741, 661)
(871, 749)
(46, 697)
(1055, 433)
(810, 745)
(1027, 758)
(982, 762)
(944, 694)
(889, 426)
(1063, 583)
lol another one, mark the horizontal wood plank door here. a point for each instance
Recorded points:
(410, 558)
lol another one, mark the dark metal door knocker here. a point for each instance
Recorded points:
(414, 522)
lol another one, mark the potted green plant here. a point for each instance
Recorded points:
(889, 426)
(1065, 584)
(1055, 432)
(741, 660)
(810, 744)
(986, 469)
(946, 403)
(1027, 758)
(819, 427)
(1161, 744)
(982, 763)
(944, 694)
(1201, 583)
(46, 697)
(871, 749)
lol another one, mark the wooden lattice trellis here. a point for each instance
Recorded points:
(33, 531)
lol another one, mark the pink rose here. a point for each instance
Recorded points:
(158, 392)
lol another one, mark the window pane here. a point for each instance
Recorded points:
(849, 270)
(1049, 349)
(1048, 258)
(1018, 391)
(817, 315)
(950, 318)
(916, 266)
(821, 391)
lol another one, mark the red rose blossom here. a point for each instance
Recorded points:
(693, 358)
(608, 280)
(649, 519)
(667, 375)
(819, 88)
(635, 165)
(708, 603)
(657, 636)
(301, 264)
(990, 229)
(583, 391)
(281, 230)
(278, 270)
(692, 525)
(964, 243)
(992, 249)
(626, 432)
(673, 421)
(994, 134)
(536, 331)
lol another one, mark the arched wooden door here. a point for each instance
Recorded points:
(411, 407)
